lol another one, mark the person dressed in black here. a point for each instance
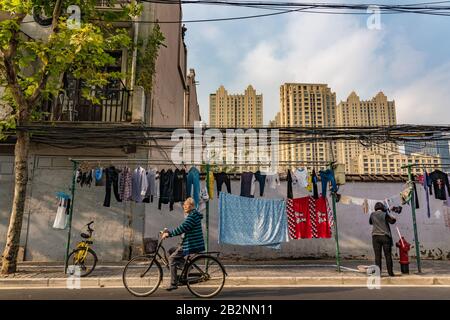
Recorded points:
(381, 236)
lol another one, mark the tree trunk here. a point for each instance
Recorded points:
(9, 260)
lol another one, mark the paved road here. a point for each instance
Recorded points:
(311, 293)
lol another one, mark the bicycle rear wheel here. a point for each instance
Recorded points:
(142, 277)
(205, 276)
(82, 262)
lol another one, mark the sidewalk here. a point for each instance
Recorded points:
(242, 273)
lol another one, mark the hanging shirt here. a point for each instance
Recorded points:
(300, 178)
(273, 180)
(308, 218)
(151, 186)
(139, 184)
(440, 181)
(125, 184)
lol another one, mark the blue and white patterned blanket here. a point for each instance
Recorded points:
(252, 222)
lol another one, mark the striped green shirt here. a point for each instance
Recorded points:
(193, 235)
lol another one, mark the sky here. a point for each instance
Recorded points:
(408, 57)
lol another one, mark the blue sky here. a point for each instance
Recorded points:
(408, 58)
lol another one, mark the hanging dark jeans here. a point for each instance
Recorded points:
(112, 178)
(383, 243)
(290, 194)
(222, 177)
(261, 178)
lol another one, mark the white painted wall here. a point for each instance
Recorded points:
(353, 225)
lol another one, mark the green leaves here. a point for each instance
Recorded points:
(148, 54)
(40, 64)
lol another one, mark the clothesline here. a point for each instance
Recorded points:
(159, 161)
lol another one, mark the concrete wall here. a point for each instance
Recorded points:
(354, 229)
(50, 174)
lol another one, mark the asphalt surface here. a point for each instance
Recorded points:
(267, 293)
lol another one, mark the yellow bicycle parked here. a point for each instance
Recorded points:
(83, 257)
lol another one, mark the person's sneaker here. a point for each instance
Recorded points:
(171, 287)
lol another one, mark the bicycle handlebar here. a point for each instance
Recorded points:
(89, 226)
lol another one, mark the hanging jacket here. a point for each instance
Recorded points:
(166, 188)
(440, 181)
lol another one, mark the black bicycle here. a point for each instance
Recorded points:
(202, 273)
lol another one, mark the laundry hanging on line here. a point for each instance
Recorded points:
(252, 221)
(308, 218)
(62, 211)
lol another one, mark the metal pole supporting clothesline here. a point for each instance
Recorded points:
(336, 235)
(413, 211)
(72, 202)
(207, 208)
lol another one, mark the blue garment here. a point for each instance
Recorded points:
(193, 181)
(427, 184)
(252, 222)
(328, 176)
(98, 174)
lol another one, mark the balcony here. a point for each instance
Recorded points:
(71, 105)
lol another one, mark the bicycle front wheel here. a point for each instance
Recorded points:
(142, 277)
(82, 262)
(205, 276)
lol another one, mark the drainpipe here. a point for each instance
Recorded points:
(134, 58)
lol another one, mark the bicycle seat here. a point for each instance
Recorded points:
(84, 235)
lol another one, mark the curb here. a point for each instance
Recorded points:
(235, 282)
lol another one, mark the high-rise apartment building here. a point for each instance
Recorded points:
(307, 105)
(236, 110)
(392, 162)
(353, 112)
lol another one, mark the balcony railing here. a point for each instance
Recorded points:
(112, 104)
(108, 4)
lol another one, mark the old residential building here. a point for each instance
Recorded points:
(236, 110)
(125, 106)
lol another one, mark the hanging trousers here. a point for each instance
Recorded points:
(221, 178)
(383, 243)
(327, 176)
(193, 181)
(261, 178)
(112, 178)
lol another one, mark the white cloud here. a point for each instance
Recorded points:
(338, 50)
(347, 56)
(426, 100)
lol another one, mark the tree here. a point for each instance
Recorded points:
(81, 50)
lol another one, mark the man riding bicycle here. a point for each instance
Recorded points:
(192, 239)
